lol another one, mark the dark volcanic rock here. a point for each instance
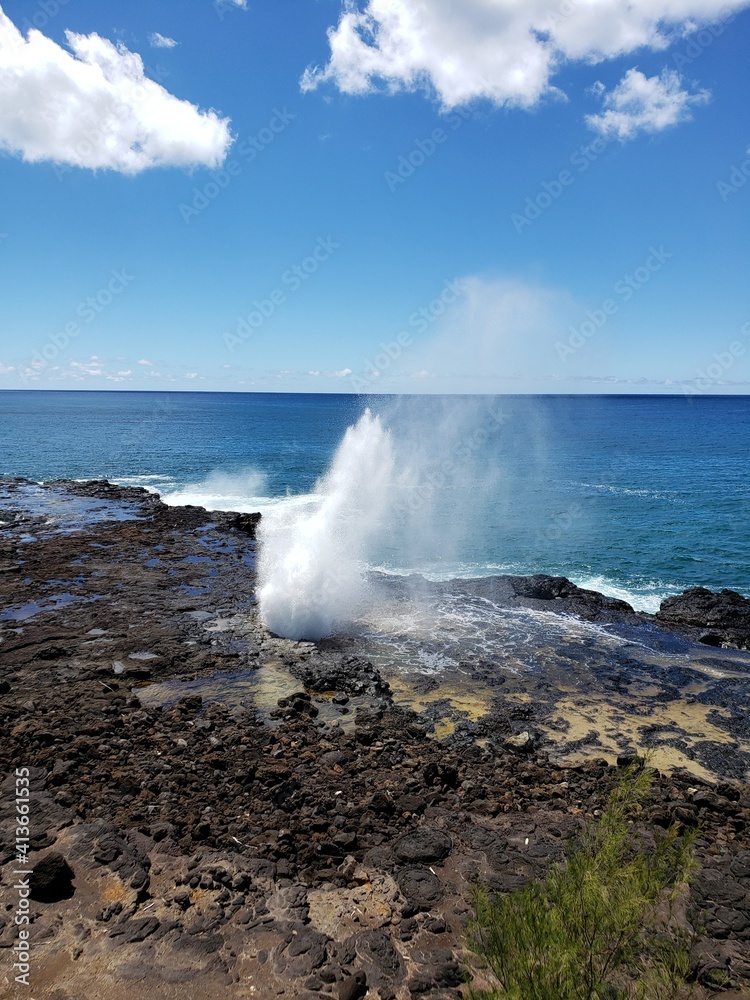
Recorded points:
(213, 842)
(353, 987)
(539, 592)
(101, 489)
(424, 845)
(380, 959)
(245, 523)
(350, 674)
(724, 618)
(51, 879)
(420, 887)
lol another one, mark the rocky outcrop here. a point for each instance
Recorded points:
(717, 619)
(313, 843)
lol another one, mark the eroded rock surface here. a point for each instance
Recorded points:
(721, 619)
(203, 847)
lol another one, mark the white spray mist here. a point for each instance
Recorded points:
(312, 561)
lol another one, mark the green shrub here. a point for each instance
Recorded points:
(590, 930)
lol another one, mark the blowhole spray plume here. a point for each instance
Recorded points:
(408, 501)
(312, 561)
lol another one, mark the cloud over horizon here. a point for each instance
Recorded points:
(93, 107)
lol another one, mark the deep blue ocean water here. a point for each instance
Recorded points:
(637, 496)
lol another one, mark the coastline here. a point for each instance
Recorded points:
(319, 827)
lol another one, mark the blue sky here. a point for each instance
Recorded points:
(480, 198)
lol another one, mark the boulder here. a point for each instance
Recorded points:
(723, 618)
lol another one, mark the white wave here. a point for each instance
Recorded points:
(143, 480)
(630, 491)
(241, 491)
(440, 572)
(645, 596)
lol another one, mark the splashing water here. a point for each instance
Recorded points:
(311, 568)
(220, 490)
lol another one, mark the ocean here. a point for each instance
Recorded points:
(636, 496)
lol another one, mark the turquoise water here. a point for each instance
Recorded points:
(637, 496)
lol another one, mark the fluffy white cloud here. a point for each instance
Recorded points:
(645, 104)
(94, 107)
(159, 41)
(146, 362)
(506, 51)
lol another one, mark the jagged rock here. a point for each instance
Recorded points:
(125, 783)
(521, 742)
(723, 618)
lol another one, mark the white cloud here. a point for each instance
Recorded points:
(158, 41)
(149, 364)
(4, 369)
(645, 104)
(90, 367)
(343, 373)
(191, 375)
(505, 51)
(93, 107)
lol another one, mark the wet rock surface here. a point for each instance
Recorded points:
(196, 848)
(721, 619)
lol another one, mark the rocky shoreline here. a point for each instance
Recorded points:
(314, 839)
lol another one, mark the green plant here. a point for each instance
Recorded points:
(589, 930)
